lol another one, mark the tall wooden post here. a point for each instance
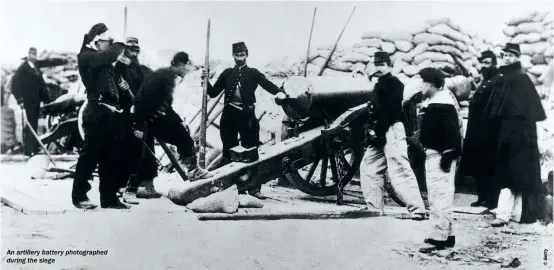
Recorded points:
(125, 23)
(309, 43)
(203, 120)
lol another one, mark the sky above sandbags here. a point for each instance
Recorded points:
(271, 30)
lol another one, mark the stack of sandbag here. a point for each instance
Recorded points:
(427, 45)
(65, 76)
(533, 32)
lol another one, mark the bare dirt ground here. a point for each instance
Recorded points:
(158, 240)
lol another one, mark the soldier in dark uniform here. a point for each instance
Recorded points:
(482, 136)
(154, 115)
(29, 89)
(240, 84)
(103, 120)
(141, 165)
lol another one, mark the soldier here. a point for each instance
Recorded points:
(517, 105)
(388, 150)
(29, 89)
(102, 120)
(154, 115)
(141, 163)
(482, 136)
(440, 136)
(239, 84)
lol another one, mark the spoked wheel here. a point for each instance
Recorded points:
(341, 166)
(340, 159)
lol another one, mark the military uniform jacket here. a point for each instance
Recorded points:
(248, 78)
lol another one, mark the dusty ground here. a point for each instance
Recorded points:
(177, 240)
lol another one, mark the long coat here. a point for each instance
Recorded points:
(29, 88)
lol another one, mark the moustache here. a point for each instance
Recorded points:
(239, 62)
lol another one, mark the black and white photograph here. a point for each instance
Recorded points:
(276, 134)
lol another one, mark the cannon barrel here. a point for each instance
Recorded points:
(309, 97)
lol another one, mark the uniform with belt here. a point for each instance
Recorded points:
(238, 117)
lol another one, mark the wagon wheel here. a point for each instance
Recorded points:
(341, 164)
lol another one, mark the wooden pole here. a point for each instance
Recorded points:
(309, 43)
(336, 43)
(125, 23)
(202, 155)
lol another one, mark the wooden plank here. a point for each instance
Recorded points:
(470, 210)
(317, 215)
(27, 204)
(23, 158)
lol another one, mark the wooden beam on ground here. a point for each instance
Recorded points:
(318, 215)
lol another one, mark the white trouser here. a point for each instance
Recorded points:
(440, 189)
(509, 206)
(392, 158)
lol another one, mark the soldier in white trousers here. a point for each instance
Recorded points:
(440, 136)
(388, 150)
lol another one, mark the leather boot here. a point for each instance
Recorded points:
(147, 190)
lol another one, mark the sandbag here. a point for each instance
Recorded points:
(535, 48)
(473, 52)
(418, 28)
(466, 56)
(403, 46)
(339, 65)
(467, 40)
(445, 20)
(549, 52)
(397, 35)
(248, 201)
(522, 18)
(547, 77)
(432, 39)
(445, 49)
(526, 38)
(530, 27)
(419, 49)
(372, 34)
(370, 69)
(398, 65)
(525, 61)
(410, 70)
(399, 55)
(447, 31)
(412, 87)
(226, 201)
(424, 64)
(546, 34)
(460, 45)
(354, 57)
(358, 66)
(538, 59)
(441, 65)
(370, 42)
(403, 78)
(540, 16)
(369, 51)
(388, 47)
(433, 56)
(537, 70)
(460, 86)
(509, 31)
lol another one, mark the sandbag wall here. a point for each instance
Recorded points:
(427, 45)
(533, 32)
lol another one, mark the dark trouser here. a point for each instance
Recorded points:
(171, 129)
(487, 189)
(144, 166)
(105, 134)
(30, 143)
(234, 122)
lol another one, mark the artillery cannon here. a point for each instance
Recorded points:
(327, 116)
